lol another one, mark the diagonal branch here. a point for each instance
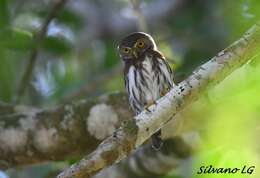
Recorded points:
(147, 162)
(26, 77)
(134, 132)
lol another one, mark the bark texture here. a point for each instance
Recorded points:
(146, 162)
(30, 135)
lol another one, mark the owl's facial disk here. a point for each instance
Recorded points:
(135, 45)
(134, 51)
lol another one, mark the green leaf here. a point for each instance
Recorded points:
(70, 18)
(111, 57)
(65, 16)
(56, 45)
(17, 39)
(4, 17)
(7, 76)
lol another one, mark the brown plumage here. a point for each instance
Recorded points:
(147, 74)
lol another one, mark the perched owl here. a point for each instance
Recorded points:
(147, 74)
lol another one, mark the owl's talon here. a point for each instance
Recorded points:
(148, 110)
(149, 103)
(164, 92)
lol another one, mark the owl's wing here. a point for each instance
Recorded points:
(164, 69)
(165, 75)
(168, 73)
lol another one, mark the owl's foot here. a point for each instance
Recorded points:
(164, 92)
(149, 103)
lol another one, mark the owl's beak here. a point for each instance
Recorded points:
(135, 53)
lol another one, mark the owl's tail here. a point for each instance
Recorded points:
(157, 140)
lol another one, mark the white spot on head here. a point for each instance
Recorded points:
(102, 121)
(45, 139)
(13, 139)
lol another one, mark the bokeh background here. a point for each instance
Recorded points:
(77, 58)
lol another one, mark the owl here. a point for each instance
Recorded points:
(147, 74)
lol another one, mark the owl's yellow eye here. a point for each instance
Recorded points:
(140, 44)
(126, 50)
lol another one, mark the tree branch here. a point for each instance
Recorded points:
(26, 77)
(135, 131)
(6, 108)
(146, 162)
(29, 135)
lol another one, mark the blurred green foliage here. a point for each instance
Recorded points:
(4, 16)
(232, 129)
(66, 16)
(56, 45)
(184, 38)
(16, 39)
(229, 123)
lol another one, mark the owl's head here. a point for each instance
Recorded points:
(135, 45)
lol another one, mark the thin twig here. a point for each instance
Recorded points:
(142, 25)
(26, 77)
